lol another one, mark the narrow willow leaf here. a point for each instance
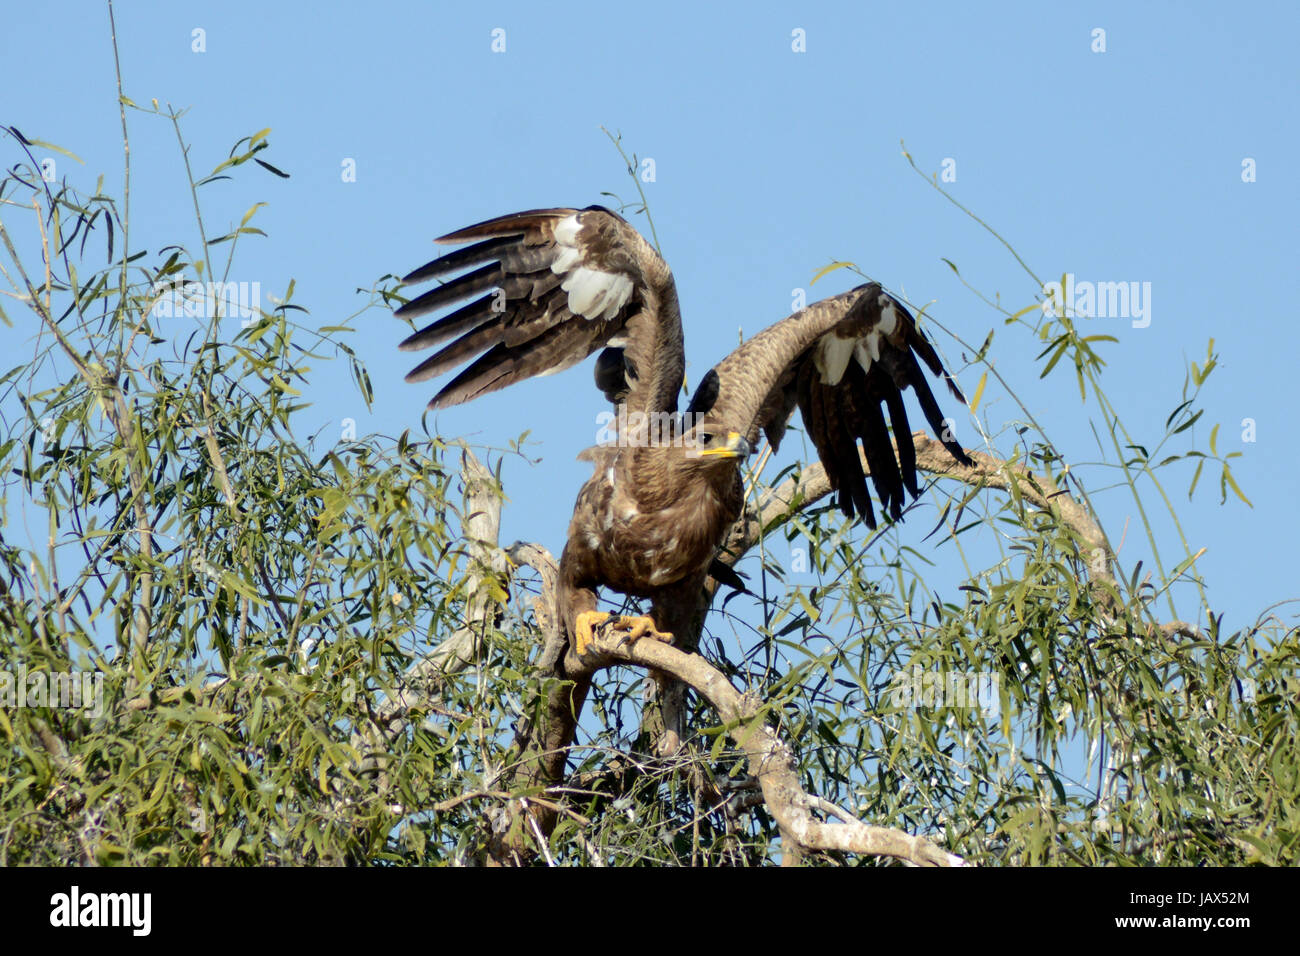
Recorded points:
(979, 392)
(826, 270)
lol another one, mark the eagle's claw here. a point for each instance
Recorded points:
(635, 627)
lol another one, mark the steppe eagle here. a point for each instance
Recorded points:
(551, 286)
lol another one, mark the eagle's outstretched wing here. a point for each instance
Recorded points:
(844, 361)
(550, 288)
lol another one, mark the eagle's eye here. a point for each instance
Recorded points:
(706, 438)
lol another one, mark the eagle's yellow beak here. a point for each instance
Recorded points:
(736, 447)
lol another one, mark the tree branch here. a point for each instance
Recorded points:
(770, 759)
(778, 505)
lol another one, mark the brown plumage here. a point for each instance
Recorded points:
(552, 286)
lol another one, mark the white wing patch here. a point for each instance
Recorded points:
(567, 229)
(568, 258)
(888, 317)
(867, 350)
(833, 353)
(593, 294)
(832, 357)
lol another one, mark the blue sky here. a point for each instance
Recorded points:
(1122, 165)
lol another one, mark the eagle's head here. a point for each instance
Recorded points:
(708, 439)
(715, 443)
(713, 450)
(699, 462)
(706, 472)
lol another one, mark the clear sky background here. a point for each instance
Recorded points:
(1122, 165)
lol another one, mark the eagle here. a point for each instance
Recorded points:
(550, 287)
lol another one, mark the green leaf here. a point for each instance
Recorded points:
(251, 212)
(284, 386)
(979, 392)
(825, 270)
(1184, 565)
(58, 149)
(1189, 423)
(1232, 483)
(270, 168)
(1195, 478)
(1065, 344)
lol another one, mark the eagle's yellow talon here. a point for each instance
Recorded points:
(639, 627)
(635, 627)
(584, 629)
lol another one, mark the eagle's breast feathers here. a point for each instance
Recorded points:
(640, 525)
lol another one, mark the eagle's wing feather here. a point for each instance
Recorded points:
(844, 361)
(551, 287)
